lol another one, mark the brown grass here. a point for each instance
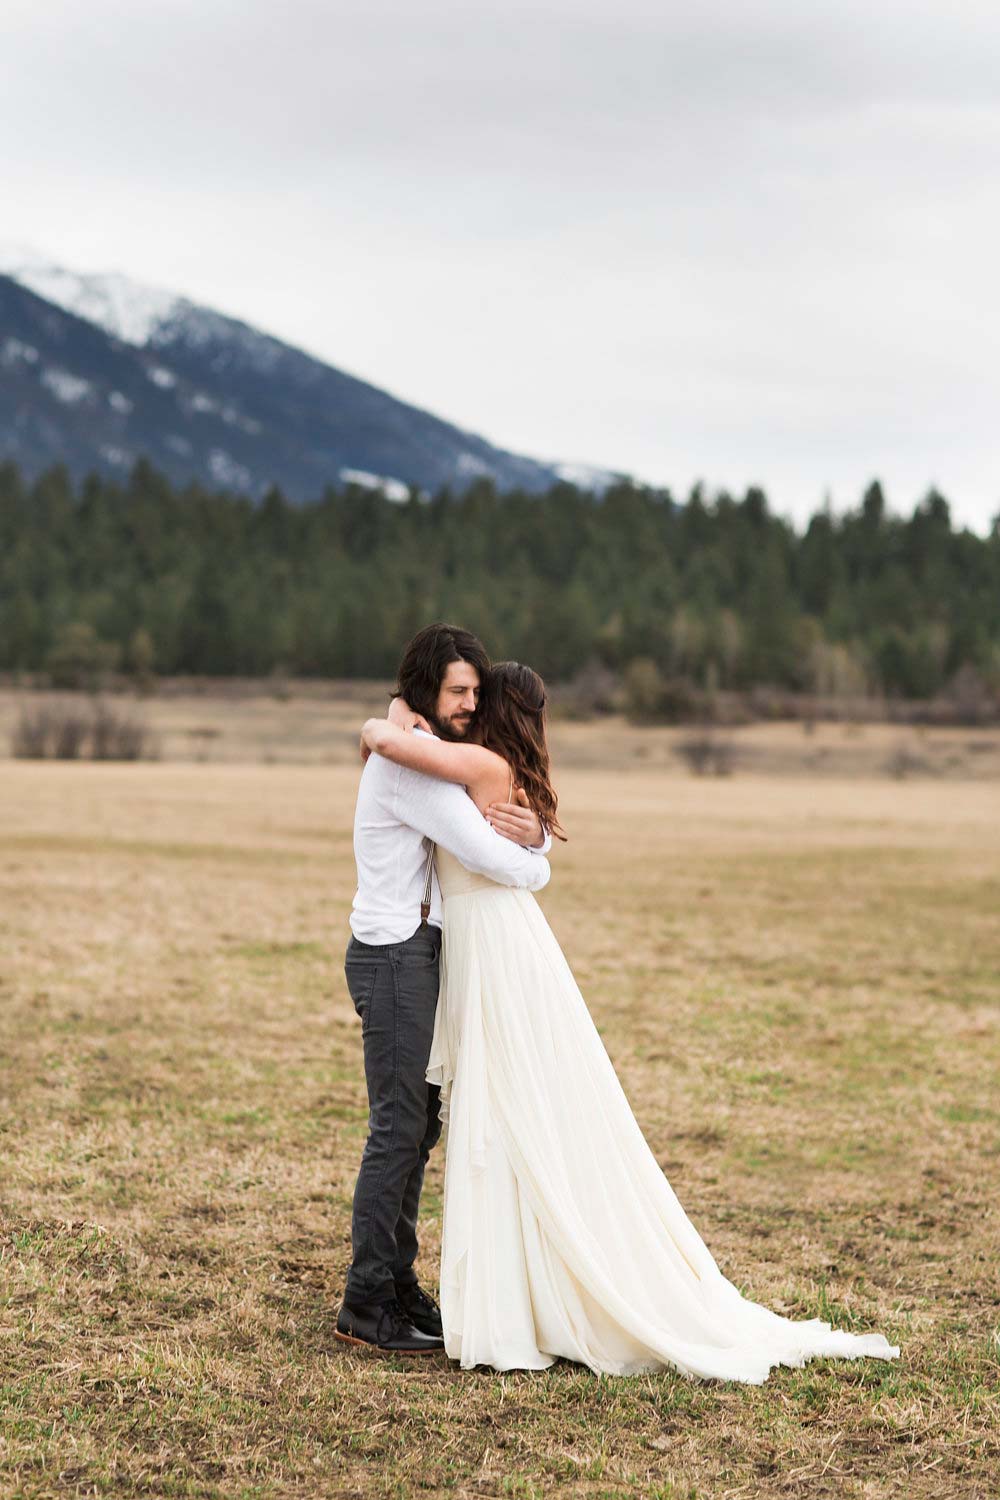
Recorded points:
(798, 982)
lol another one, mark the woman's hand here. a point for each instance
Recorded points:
(517, 821)
(403, 717)
(373, 736)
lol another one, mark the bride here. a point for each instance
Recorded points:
(562, 1238)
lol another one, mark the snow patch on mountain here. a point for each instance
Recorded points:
(235, 418)
(586, 476)
(120, 457)
(15, 352)
(392, 489)
(66, 387)
(122, 307)
(471, 465)
(145, 316)
(225, 470)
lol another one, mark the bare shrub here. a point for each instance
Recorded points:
(769, 702)
(906, 760)
(971, 698)
(103, 732)
(70, 730)
(706, 752)
(117, 736)
(135, 742)
(32, 734)
(595, 689)
(67, 731)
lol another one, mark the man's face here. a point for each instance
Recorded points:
(457, 700)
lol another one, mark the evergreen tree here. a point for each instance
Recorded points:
(714, 591)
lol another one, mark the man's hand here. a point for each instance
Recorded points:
(402, 715)
(516, 821)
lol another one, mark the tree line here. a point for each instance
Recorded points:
(715, 591)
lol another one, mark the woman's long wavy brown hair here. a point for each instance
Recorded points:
(512, 723)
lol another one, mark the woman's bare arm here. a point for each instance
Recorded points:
(470, 765)
(485, 776)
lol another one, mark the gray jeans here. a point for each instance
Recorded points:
(394, 987)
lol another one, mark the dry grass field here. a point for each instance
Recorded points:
(799, 982)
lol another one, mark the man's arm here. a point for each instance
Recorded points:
(442, 812)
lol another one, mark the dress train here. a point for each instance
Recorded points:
(562, 1238)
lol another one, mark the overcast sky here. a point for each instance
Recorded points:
(752, 242)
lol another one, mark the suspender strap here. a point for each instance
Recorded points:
(425, 905)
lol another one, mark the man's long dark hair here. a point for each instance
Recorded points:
(428, 657)
(512, 722)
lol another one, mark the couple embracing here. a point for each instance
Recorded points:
(561, 1236)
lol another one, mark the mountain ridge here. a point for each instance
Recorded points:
(209, 397)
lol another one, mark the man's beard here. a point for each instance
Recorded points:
(456, 728)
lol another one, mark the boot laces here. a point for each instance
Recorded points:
(426, 1302)
(392, 1319)
(418, 1295)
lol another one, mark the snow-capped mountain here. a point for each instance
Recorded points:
(96, 370)
(117, 304)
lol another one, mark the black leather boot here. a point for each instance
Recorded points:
(384, 1326)
(422, 1311)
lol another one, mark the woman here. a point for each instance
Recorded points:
(562, 1237)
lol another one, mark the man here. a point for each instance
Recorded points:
(392, 974)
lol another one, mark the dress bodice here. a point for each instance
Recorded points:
(455, 880)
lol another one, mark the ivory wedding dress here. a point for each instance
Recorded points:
(562, 1237)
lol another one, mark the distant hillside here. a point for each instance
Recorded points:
(96, 371)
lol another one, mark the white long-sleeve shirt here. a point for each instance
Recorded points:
(399, 814)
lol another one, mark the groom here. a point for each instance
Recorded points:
(392, 974)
